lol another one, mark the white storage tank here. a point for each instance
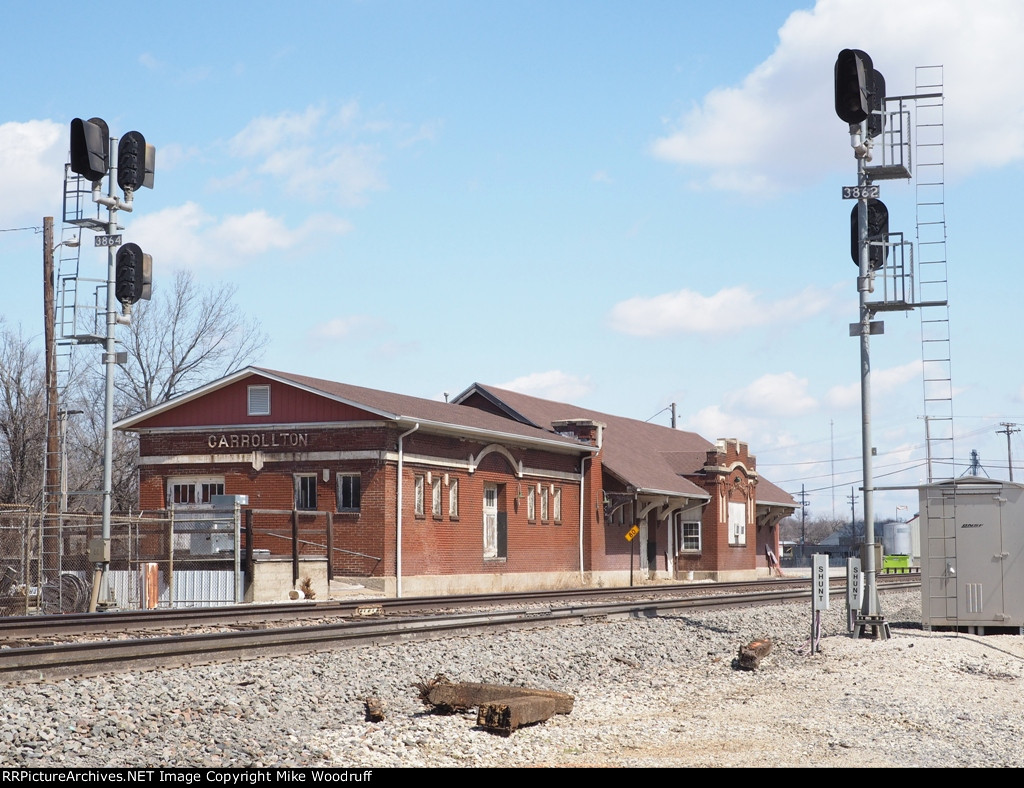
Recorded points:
(896, 538)
(972, 554)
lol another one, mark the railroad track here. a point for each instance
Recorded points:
(14, 629)
(40, 660)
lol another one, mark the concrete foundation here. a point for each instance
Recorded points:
(272, 579)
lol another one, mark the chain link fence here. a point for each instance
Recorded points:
(188, 556)
(158, 559)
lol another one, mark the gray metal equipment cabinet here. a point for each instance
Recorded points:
(972, 554)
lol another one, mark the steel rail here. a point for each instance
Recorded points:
(51, 662)
(37, 626)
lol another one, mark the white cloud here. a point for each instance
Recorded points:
(344, 172)
(149, 61)
(712, 422)
(339, 327)
(843, 397)
(303, 153)
(32, 156)
(252, 234)
(265, 135)
(172, 155)
(186, 236)
(758, 412)
(174, 236)
(776, 394)
(886, 380)
(778, 129)
(753, 412)
(729, 310)
(883, 381)
(554, 385)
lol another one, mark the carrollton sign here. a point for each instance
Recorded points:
(258, 440)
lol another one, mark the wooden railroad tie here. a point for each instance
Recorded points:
(501, 708)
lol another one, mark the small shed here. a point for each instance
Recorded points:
(972, 554)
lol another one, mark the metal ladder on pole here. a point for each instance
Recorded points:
(78, 319)
(933, 284)
(939, 517)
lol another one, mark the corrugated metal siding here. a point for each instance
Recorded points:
(192, 588)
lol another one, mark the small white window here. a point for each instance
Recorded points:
(531, 505)
(687, 535)
(259, 400)
(193, 491)
(492, 527)
(556, 505)
(453, 500)
(435, 497)
(418, 497)
(544, 504)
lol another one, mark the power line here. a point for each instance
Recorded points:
(921, 464)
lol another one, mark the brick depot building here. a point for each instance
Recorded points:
(492, 491)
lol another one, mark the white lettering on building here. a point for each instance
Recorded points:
(259, 440)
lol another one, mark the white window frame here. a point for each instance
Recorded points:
(435, 497)
(544, 511)
(737, 522)
(531, 505)
(490, 520)
(418, 494)
(202, 488)
(259, 400)
(688, 530)
(556, 505)
(453, 500)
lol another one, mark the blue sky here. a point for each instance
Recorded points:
(620, 205)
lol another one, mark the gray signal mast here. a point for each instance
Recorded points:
(861, 102)
(129, 279)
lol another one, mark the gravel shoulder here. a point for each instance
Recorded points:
(659, 692)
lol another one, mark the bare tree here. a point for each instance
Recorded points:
(183, 338)
(85, 450)
(814, 529)
(22, 420)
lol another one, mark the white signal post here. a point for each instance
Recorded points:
(871, 613)
(113, 204)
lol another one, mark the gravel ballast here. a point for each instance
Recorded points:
(648, 692)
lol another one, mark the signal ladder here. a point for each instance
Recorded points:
(939, 515)
(933, 283)
(79, 319)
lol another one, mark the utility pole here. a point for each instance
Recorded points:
(803, 519)
(832, 461)
(48, 542)
(1007, 431)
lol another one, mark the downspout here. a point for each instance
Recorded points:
(398, 545)
(583, 482)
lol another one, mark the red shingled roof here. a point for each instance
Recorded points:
(650, 457)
